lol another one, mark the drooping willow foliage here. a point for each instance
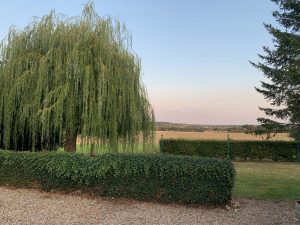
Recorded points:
(63, 77)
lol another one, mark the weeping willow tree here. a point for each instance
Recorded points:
(61, 78)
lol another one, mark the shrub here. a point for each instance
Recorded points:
(243, 150)
(164, 178)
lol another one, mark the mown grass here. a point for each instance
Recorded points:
(86, 149)
(267, 180)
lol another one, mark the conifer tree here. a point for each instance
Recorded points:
(63, 77)
(281, 66)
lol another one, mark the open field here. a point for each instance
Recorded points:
(216, 135)
(209, 135)
(267, 180)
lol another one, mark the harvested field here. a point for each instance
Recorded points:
(211, 135)
(216, 135)
(28, 206)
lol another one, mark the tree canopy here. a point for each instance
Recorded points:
(61, 77)
(281, 66)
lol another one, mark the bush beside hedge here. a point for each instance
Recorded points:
(243, 150)
(164, 178)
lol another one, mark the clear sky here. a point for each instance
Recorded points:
(195, 53)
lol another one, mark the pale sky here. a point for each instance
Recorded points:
(195, 53)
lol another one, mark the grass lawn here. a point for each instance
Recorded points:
(85, 149)
(267, 180)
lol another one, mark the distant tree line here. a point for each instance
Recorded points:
(167, 126)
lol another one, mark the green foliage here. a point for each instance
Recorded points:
(166, 126)
(74, 76)
(241, 150)
(164, 178)
(280, 65)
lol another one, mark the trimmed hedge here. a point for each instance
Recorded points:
(242, 150)
(164, 178)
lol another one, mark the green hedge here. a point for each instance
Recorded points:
(164, 178)
(241, 150)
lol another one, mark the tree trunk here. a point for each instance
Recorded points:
(92, 151)
(70, 142)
